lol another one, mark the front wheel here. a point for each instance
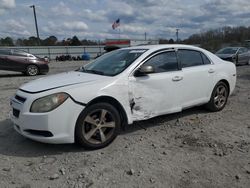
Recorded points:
(218, 98)
(32, 70)
(97, 126)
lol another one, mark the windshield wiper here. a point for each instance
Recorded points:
(93, 71)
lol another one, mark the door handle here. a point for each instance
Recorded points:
(177, 78)
(211, 71)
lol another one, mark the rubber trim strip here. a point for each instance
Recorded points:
(75, 101)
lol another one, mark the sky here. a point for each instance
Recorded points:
(93, 19)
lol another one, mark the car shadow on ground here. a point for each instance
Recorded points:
(13, 144)
(12, 75)
(159, 120)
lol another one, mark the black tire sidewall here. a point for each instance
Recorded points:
(79, 138)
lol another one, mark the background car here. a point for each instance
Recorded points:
(20, 61)
(237, 55)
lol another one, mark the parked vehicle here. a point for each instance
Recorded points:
(20, 61)
(237, 55)
(90, 105)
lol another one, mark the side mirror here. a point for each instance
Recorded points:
(144, 70)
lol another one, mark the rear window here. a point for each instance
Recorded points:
(190, 58)
(20, 53)
(206, 61)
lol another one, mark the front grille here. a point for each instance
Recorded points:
(15, 112)
(19, 98)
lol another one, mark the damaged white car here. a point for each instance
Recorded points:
(90, 105)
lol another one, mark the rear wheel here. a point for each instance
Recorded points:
(32, 70)
(219, 97)
(97, 126)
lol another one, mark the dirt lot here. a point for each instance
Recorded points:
(194, 148)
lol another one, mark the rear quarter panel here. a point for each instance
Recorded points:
(226, 71)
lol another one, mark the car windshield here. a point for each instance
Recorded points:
(227, 51)
(113, 63)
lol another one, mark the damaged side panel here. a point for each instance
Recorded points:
(153, 95)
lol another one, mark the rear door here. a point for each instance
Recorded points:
(198, 74)
(159, 92)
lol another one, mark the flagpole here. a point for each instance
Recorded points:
(119, 34)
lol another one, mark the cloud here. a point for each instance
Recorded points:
(97, 16)
(159, 18)
(62, 9)
(75, 26)
(6, 5)
(65, 29)
(16, 28)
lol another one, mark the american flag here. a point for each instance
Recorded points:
(116, 24)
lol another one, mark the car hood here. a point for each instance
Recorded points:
(225, 56)
(60, 80)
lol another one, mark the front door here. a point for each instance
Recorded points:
(159, 92)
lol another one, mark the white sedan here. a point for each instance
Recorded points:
(90, 105)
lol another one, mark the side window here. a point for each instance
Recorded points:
(164, 62)
(18, 53)
(206, 61)
(190, 58)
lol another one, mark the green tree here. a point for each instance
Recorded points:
(50, 41)
(171, 41)
(75, 41)
(7, 42)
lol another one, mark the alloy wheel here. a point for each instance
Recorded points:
(98, 126)
(32, 70)
(220, 97)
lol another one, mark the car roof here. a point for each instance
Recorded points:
(233, 47)
(163, 46)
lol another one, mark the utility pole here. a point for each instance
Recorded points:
(177, 35)
(37, 33)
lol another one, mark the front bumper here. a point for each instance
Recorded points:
(56, 126)
(43, 68)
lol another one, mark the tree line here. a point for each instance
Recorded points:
(217, 38)
(211, 40)
(49, 41)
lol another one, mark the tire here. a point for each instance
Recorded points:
(32, 70)
(218, 98)
(97, 126)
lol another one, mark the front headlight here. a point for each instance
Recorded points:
(48, 103)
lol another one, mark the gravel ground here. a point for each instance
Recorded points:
(194, 148)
